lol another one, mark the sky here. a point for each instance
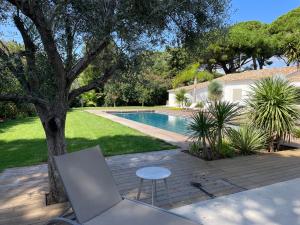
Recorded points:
(262, 10)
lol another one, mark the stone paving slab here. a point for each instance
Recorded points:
(276, 204)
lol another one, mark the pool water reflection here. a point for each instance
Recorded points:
(167, 122)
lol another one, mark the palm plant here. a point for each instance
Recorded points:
(272, 108)
(247, 139)
(180, 97)
(224, 113)
(201, 130)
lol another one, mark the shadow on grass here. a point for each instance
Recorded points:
(34, 151)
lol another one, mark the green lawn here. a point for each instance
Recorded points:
(22, 142)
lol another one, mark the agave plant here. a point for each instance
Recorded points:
(272, 108)
(201, 130)
(247, 139)
(223, 113)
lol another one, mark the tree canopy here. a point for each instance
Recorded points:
(249, 44)
(286, 31)
(62, 38)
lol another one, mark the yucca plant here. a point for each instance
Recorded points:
(272, 108)
(223, 113)
(201, 130)
(247, 139)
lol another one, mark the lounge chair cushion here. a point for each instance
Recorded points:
(129, 212)
(88, 182)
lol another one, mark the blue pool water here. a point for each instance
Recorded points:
(167, 122)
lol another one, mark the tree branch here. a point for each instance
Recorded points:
(32, 10)
(69, 43)
(30, 50)
(23, 98)
(94, 84)
(83, 63)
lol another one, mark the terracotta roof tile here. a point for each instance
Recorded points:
(290, 72)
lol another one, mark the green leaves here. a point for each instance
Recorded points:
(212, 125)
(215, 90)
(202, 130)
(272, 107)
(190, 73)
(224, 114)
(247, 139)
(180, 97)
(286, 31)
(202, 126)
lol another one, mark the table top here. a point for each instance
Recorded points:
(153, 173)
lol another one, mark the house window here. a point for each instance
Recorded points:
(236, 95)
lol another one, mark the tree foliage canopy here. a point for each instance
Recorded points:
(62, 38)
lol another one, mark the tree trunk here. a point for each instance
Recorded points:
(54, 125)
(271, 144)
(219, 141)
(224, 67)
(207, 153)
(261, 63)
(254, 63)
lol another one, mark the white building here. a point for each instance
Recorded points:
(236, 86)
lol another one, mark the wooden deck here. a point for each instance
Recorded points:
(22, 189)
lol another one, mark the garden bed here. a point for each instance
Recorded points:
(236, 154)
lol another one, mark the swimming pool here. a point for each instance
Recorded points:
(167, 122)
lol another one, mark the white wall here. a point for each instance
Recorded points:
(297, 84)
(172, 99)
(202, 94)
(229, 88)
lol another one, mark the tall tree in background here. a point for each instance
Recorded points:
(52, 33)
(253, 40)
(286, 32)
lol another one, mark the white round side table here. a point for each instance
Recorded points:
(154, 174)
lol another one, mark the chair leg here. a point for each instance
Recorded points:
(140, 189)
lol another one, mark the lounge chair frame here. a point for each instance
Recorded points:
(70, 218)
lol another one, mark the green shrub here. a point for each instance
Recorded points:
(10, 110)
(227, 151)
(272, 108)
(195, 148)
(199, 105)
(224, 114)
(215, 91)
(201, 129)
(296, 132)
(247, 140)
(181, 99)
(187, 103)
